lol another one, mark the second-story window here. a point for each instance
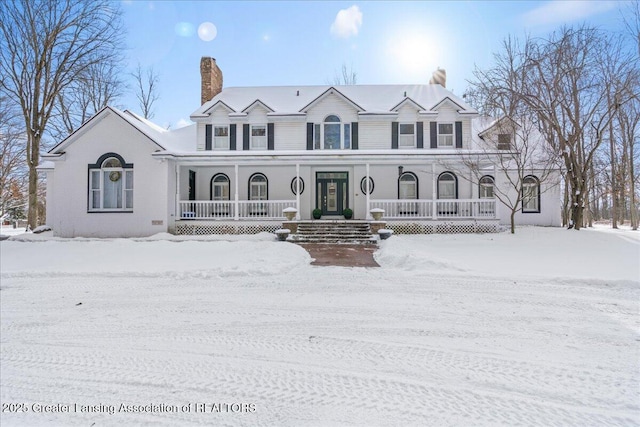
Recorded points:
(258, 137)
(407, 135)
(221, 137)
(445, 134)
(335, 134)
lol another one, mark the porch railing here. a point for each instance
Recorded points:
(436, 209)
(242, 209)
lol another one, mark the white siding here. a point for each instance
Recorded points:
(374, 135)
(290, 136)
(70, 184)
(407, 114)
(332, 104)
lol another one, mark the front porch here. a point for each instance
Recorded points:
(250, 210)
(408, 216)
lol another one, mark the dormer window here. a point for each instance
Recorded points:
(445, 134)
(221, 137)
(258, 137)
(504, 141)
(407, 135)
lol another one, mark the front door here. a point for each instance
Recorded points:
(332, 192)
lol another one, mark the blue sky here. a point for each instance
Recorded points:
(305, 43)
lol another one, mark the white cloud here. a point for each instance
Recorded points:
(558, 12)
(347, 22)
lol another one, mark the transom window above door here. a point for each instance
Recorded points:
(333, 134)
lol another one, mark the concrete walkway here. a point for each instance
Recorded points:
(341, 255)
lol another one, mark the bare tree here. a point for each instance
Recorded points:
(346, 76)
(146, 89)
(13, 171)
(45, 45)
(95, 87)
(567, 84)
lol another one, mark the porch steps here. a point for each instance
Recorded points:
(338, 231)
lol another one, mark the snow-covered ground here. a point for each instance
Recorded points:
(538, 328)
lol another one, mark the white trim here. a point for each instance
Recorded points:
(453, 134)
(414, 135)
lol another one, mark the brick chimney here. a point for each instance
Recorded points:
(211, 78)
(439, 77)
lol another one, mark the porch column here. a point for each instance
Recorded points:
(434, 194)
(368, 184)
(473, 204)
(177, 212)
(237, 205)
(495, 184)
(298, 191)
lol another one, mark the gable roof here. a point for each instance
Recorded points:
(164, 139)
(407, 100)
(145, 127)
(367, 99)
(330, 91)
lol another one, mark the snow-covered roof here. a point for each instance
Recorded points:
(370, 98)
(181, 139)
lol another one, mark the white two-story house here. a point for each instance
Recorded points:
(255, 151)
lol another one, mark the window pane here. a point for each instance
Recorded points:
(112, 191)
(407, 190)
(112, 162)
(504, 141)
(316, 137)
(129, 180)
(259, 131)
(406, 129)
(445, 128)
(347, 136)
(95, 180)
(95, 199)
(332, 137)
(332, 119)
(447, 190)
(259, 136)
(221, 131)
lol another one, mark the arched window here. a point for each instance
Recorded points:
(258, 187)
(110, 184)
(530, 194)
(485, 187)
(335, 134)
(219, 187)
(447, 186)
(407, 186)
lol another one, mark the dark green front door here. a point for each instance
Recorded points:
(332, 192)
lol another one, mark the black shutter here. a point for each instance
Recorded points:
(394, 135)
(309, 136)
(232, 137)
(354, 135)
(207, 136)
(419, 135)
(433, 130)
(245, 137)
(270, 136)
(458, 134)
